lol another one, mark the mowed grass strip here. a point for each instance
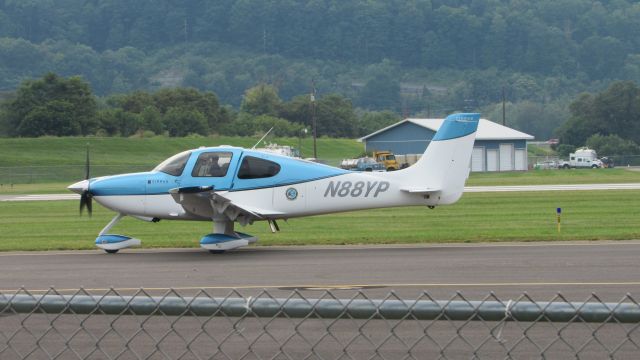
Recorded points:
(477, 217)
(554, 177)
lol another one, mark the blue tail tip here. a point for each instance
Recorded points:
(457, 125)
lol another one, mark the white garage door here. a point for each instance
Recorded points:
(506, 157)
(521, 159)
(477, 159)
(492, 160)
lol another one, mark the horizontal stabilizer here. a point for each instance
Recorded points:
(421, 190)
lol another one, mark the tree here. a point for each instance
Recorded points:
(192, 100)
(334, 114)
(612, 145)
(373, 121)
(151, 120)
(615, 111)
(335, 117)
(52, 106)
(183, 122)
(261, 99)
(118, 122)
(381, 93)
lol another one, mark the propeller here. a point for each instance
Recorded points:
(85, 196)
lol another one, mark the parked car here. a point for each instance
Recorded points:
(582, 158)
(545, 165)
(362, 164)
(369, 164)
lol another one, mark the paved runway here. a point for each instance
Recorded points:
(575, 269)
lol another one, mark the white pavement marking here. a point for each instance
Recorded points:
(573, 187)
(468, 189)
(324, 287)
(40, 197)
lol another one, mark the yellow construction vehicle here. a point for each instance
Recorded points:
(386, 158)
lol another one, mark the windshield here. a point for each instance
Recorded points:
(175, 164)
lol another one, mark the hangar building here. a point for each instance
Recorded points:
(497, 147)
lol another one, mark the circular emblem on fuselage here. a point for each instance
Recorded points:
(292, 193)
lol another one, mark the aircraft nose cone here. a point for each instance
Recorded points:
(79, 187)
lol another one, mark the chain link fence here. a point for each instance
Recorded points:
(278, 324)
(61, 173)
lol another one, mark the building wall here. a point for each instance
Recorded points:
(407, 138)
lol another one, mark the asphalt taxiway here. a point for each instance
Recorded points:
(610, 269)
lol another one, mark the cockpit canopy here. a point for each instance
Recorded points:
(239, 169)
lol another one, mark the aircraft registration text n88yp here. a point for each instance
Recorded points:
(228, 185)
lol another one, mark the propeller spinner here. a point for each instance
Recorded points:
(82, 188)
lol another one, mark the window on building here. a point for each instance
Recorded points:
(256, 168)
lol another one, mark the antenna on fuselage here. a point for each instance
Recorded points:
(262, 138)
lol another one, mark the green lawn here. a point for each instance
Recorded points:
(477, 217)
(555, 176)
(58, 160)
(48, 151)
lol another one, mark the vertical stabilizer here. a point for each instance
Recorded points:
(445, 165)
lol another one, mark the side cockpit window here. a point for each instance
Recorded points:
(256, 168)
(212, 164)
(175, 164)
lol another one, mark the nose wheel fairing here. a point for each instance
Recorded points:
(113, 242)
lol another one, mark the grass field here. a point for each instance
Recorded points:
(150, 151)
(61, 160)
(478, 217)
(554, 176)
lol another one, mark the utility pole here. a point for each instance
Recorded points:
(264, 39)
(503, 109)
(313, 117)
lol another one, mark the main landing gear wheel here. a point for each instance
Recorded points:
(111, 251)
(217, 251)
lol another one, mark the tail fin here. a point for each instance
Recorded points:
(445, 165)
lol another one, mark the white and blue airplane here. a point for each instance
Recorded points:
(228, 184)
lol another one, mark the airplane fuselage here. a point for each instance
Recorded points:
(346, 192)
